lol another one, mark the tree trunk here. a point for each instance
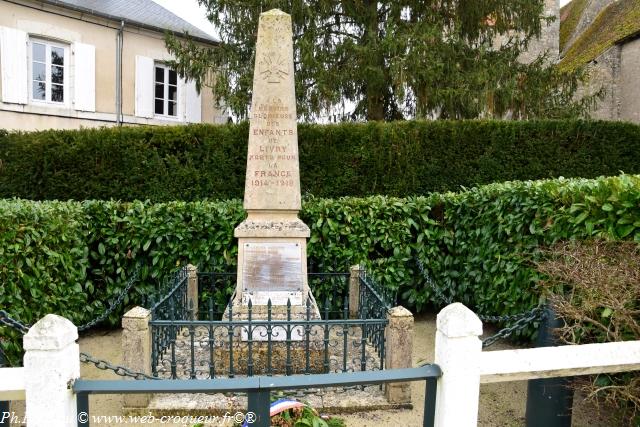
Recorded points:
(376, 84)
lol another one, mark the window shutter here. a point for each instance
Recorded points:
(144, 87)
(193, 110)
(85, 77)
(14, 60)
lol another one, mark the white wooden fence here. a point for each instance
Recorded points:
(465, 366)
(51, 362)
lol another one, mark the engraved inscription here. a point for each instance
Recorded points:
(272, 267)
(271, 125)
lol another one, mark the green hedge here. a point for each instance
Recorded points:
(397, 159)
(478, 245)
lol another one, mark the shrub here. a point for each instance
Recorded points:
(43, 258)
(396, 159)
(479, 246)
(595, 287)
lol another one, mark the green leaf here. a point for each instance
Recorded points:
(602, 380)
(625, 230)
(580, 218)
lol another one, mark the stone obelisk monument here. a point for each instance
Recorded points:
(272, 240)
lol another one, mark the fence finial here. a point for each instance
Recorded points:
(52, 332)
(456, 320)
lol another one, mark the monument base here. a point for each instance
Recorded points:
(272, 359)
(265, 224)
(240, 310)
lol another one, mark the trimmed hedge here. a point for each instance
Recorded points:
(478, 245)
(397, 159)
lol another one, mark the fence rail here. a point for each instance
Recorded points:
(465, 366)
(12, 380)
(259, 388)
(550, 362)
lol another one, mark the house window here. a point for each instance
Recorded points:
(48, 77)
(166, 91)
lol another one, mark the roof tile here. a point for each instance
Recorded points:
(146, 12)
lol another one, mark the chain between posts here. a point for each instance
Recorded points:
(113, 306)
(525, 319)
(522, 320)
(6, 320)
(117, 369)
(439, 296)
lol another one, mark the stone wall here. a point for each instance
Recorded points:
(616, 70)
(549, 40)
(629, 86)
(604, 72)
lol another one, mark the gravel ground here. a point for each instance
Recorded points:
(501, 404)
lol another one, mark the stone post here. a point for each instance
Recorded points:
(192, 288)
(136, 351)
(354, 291)
(399, 348)
(51, 363)
(458, 350)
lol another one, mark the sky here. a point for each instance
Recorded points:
(191, 12)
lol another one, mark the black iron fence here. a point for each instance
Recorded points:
(214, 339)
(374, 302)
(174, 306)
(374, 299)
(215, 290)
(285, 342)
